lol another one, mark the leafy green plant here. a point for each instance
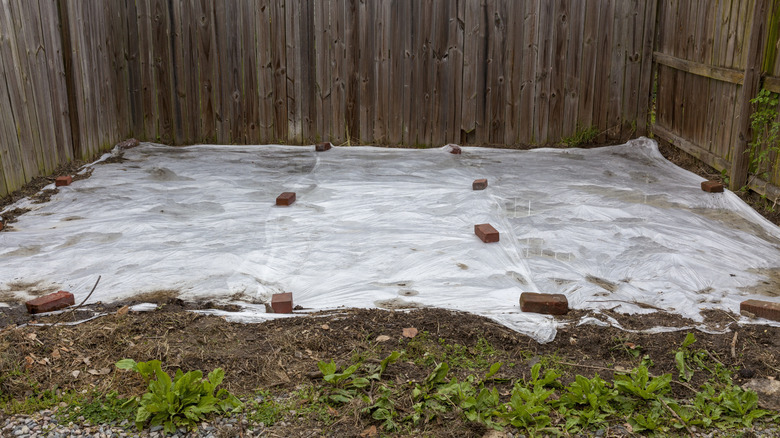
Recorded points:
(528, 407)
(587, 403)
(766, 133)
(266, 410)
(345, 385)
(639, 384)
(181, 402)
(101, 409)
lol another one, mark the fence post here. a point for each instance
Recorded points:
(739, 159)
(70, 87)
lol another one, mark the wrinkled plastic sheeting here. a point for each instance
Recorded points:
(393, 228)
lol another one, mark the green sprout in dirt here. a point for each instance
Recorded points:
(181, 402)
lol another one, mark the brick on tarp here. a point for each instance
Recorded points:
(63, 181)
(49, 303)
(286, 198)
(479, 184)
(712, 186)
(282, 303)
(322, 147)
(548, 304)
(486, 233)
(762, 309)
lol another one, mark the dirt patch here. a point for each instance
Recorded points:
(157, 297)
(769, 287)
(282, 354)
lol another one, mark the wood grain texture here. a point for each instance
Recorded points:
(370, 71)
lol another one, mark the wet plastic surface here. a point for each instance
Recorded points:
(394, 228)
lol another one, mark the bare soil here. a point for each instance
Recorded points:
(282, 354)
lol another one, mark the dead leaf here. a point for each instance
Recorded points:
(65, 349)
(56, 354)
(409, 332)
(100, 372)
(31, 336)
(86, 360)
(325, 327)
(332, 411)
(369, 432)
(75, 374)
(620, 369)
(29, 361)
(123, 310)
(382, 338)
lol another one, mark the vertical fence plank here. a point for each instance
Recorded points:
(395, 83)
(587, 79)
(646, 69)
(472, 67)
(574, 61)
(408, 56)
(322, 33)
(294, 81)
(366, 71)
(339, 74)
(11, 158)
(265, 71)
(544, 65)
(495, 94)
(279, 45)
(560, 44)
(530, 49)
(250, 102)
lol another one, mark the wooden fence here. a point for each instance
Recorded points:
(84, 74)
(704, 63)
(389, 71)
(76, 76)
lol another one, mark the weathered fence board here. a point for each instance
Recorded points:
(701, 62)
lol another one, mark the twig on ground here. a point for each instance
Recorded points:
(690, 432)
(734, 346)
(62, 317)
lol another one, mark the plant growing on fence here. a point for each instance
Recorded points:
(181, 402)
(766, 134)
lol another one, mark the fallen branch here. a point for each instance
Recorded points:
(62, 317)
(690, 432)
(734, 346)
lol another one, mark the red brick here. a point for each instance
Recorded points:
(762, 309)
(486, 232)
(2, 225)
(322, 147)
(548, 304)
(128, 144)
(49, 303)
(282, 303)
(454, 149)
(479, 184)
(286, 198)
(712, 186)
(63, 180)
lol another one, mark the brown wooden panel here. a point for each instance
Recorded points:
(265, 70)
(544, 65)
(589, 50)
(560, 44)
(495, 92)
(574, 61)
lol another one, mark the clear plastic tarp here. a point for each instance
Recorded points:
(609, 227)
